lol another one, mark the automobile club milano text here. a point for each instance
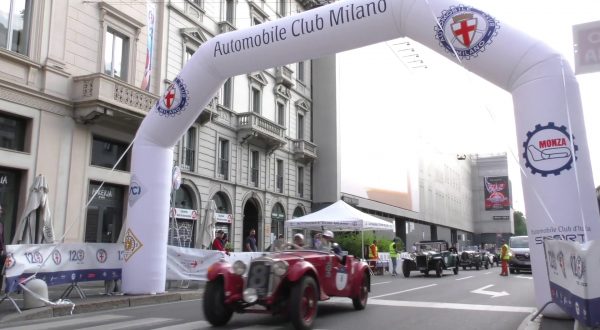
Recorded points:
(302, 26)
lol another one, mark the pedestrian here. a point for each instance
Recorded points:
(317, 241)
(218, 243)
(504, 257)
(373, 255)
(394, 255)
(250, 245)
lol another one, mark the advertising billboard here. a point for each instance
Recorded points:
(496, 193)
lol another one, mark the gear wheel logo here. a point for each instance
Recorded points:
(549, 150)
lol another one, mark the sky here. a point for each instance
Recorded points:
(433, 105)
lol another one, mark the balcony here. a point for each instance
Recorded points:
(283, 75)
(225, 26)
(99, 98)
(304, 151)
(261, 131)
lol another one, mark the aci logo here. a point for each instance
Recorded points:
(549, 150)
(175, 100)
(465, 30)
(136, 190)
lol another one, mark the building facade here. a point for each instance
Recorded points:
(78, 77)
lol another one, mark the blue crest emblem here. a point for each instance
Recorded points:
(175, 99)
(465, 30)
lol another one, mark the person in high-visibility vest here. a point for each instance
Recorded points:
(394, 256)
(505, 257)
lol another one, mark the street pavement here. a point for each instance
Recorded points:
(97, 300)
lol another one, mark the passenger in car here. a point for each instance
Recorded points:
(298, 242)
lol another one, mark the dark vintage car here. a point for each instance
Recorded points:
(430, 256)
(471, 257)
(289, 283)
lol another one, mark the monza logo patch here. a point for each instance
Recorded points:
(549, 150)
(175, 99)
(466, 31)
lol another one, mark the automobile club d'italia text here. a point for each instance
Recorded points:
(302, 26)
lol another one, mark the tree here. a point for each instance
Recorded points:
(520, 223)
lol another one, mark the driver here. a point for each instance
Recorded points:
(298, 242)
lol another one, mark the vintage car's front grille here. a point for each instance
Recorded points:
(259, 277)
(465, 256)
(421, 261)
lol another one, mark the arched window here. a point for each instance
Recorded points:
(221, 203)
(277, 219)
(298, 212)
(183, 198)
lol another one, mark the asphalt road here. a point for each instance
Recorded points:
(470, 300)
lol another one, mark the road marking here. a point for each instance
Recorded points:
(494, 294)
(413, 289)
(187, 326)
(381, 283)
(428, 304)
(488, 273)
(463, 278)
(130, 324)
(70, 322)
(525, 277)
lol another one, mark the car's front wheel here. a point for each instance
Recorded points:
(215, 310)
(405, 268)
(438, 269)
(303, 303)
(360, 302)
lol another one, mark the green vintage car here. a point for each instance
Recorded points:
(431, 256)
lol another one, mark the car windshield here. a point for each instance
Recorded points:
(519, 242)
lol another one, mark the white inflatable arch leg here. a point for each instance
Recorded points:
(558, 185)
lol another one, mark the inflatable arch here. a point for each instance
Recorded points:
(557, 177)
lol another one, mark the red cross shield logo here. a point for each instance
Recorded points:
(464, 28)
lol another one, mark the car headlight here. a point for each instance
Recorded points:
(239, 267)
(280, 268)
(250, 295)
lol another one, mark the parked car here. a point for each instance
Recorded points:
(430, 256)
(471, 256)
(290, 283)
(521, 259)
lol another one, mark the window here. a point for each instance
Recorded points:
(300, 72)
(13, 131)
(277, 219)
(279, 176)
(223, 167)
(300, 181)
(228, 93)
(116, 54)
(105, 213)
(256, 100)
(15, 22)
(256, 21)
(254, 166)
(107, 152)
(188, 159)
(229, 11)
(282, 9)
(300, 127)
(280, 113)
(189, 52)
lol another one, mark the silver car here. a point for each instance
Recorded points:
(521, 259)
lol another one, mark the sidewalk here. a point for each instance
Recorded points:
(95, 300)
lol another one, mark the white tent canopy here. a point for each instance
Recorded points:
(340, 216)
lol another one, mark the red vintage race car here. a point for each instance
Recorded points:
(288, 282)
